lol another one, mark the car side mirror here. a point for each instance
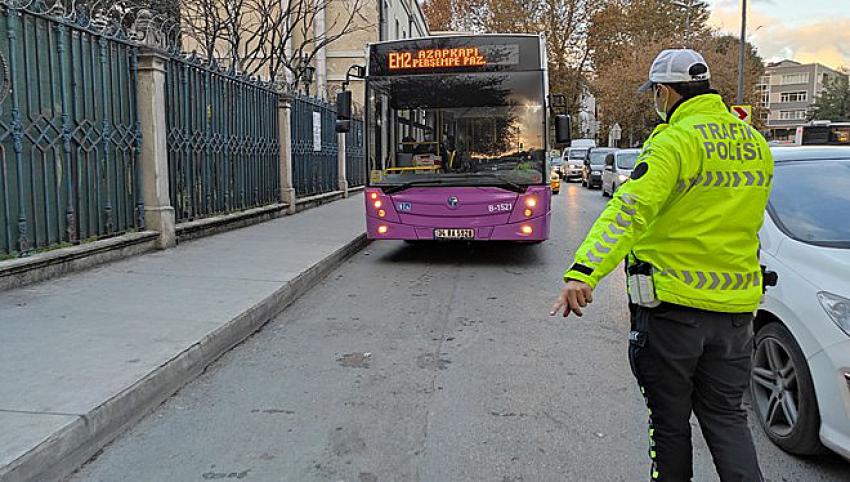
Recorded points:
(609, 162)
(343, 111)
(563, 130)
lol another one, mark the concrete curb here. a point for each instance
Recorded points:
(67, 450)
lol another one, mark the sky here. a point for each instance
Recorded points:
(801, 30)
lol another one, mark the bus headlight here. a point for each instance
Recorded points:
(382, 229)
(527, 230)
(528, 212)
(531, 202)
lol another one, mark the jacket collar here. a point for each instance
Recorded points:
(700, 104)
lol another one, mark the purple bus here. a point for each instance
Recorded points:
(456, 133)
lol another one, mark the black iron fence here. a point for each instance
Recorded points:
(314, 146)
(223, 148)
(69, 135)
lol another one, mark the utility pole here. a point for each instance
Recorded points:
(687, 6)
(742, 52)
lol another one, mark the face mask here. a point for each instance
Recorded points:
(661, 111)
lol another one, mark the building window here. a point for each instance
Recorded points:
(798, 78)
(397, 30)
(765, 99)
(792, 115)
(801, 96)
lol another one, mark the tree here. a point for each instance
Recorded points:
(625, 37)
(834, 102)
(721, 53)
(270, 39)
(623, 25)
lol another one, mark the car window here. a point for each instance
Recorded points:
(627, 160)
(597, 158)
(577, 153)
(810, 201)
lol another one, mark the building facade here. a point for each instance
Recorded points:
(788, 89)
(383, 20)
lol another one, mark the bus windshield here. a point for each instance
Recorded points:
(461, 129)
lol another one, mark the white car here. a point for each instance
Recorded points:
(573, 162)
(618, 169)
(800, 383)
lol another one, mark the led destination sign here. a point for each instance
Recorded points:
(437, 58)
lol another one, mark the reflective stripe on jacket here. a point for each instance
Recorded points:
(692, 209)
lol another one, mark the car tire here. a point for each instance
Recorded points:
(776, 352)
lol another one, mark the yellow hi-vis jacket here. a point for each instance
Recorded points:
(692, 209)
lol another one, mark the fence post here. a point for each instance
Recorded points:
(150, 87)
(287, 190)
(340, 162)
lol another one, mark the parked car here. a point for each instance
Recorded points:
(618, 168)
(573, 162)
(800, 381)
(594, 163)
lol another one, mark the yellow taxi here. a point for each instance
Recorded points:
(555, 183)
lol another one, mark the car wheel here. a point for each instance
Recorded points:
(783, 393)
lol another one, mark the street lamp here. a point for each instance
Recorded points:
(308, 72)
(304, 73)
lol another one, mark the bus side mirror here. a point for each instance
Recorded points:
(343, 111)
(563, 129)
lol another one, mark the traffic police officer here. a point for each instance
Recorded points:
(687, 223)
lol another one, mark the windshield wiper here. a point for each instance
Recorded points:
(460, 180)
(409, 184)
(507, 182)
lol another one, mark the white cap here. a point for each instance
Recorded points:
(676, 65)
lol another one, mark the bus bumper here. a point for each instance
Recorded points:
(531, 230)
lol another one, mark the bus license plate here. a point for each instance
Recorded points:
(454, 234)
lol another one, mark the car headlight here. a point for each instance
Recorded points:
(837, 308)
(623, 178)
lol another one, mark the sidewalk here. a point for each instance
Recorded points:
(84, 356)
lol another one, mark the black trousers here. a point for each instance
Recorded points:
(693, 361)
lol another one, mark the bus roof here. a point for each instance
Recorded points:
(452, 35)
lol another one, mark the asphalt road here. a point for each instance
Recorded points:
(425, 363)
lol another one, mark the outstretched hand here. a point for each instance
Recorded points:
(575, 296)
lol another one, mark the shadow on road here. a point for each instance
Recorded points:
(492, 253)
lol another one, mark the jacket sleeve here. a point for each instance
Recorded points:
(628, 215)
